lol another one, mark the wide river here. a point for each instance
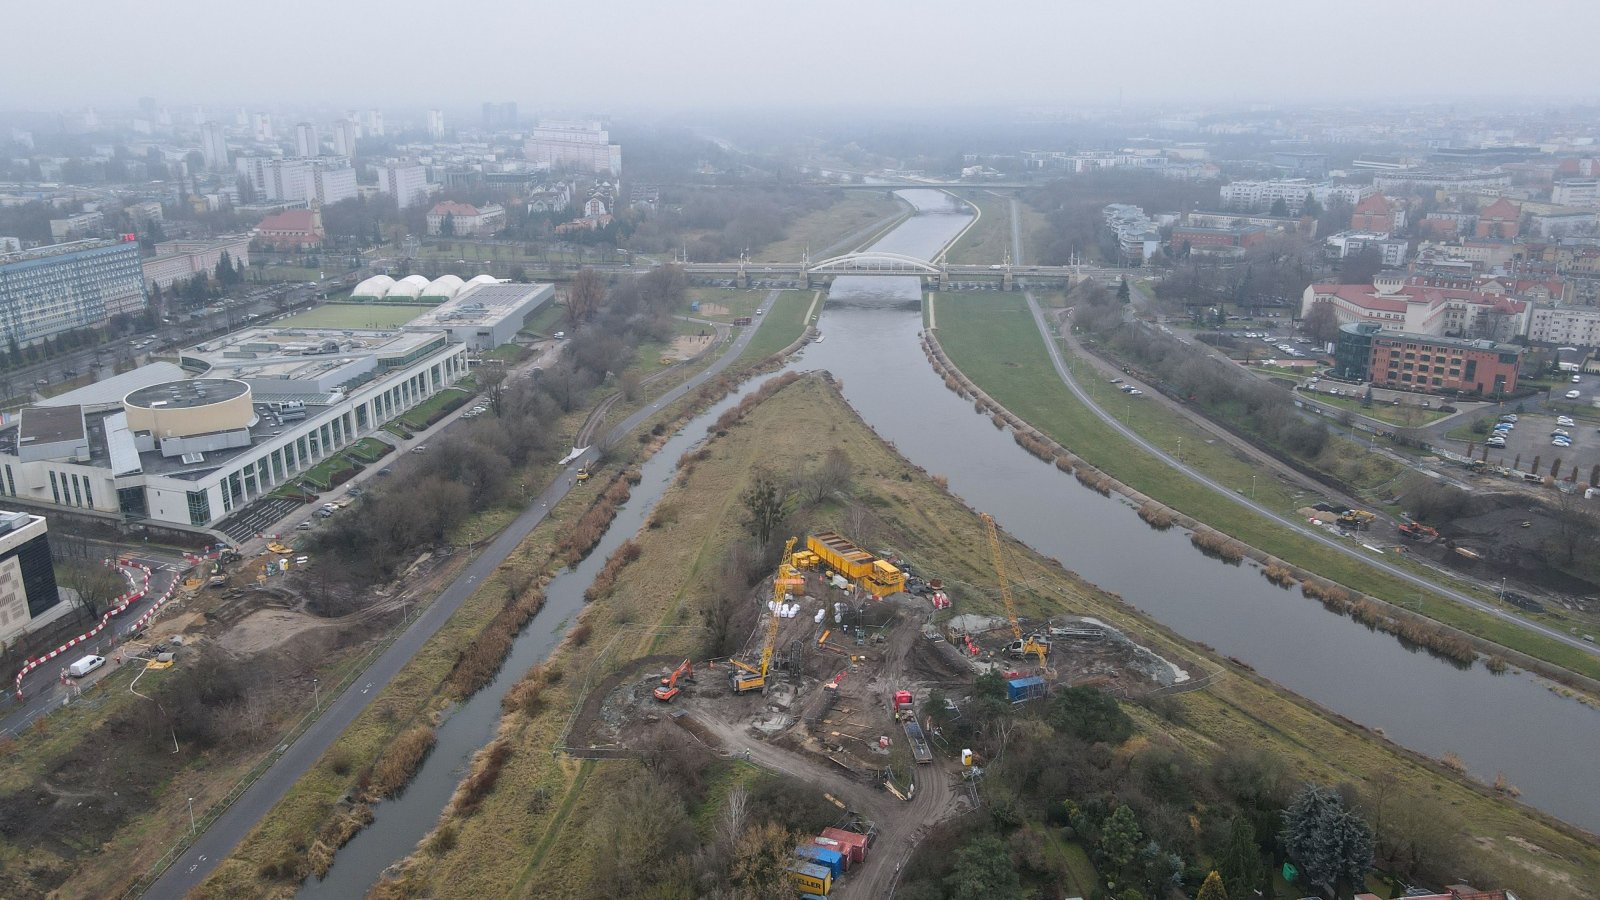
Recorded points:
(1507, 723)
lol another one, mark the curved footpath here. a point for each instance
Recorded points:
(197, 862)
(1292, 524)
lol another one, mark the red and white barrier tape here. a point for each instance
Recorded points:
(138, 576)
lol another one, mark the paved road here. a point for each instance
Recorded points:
(1293, 525)
(230, 828)
(42, 690)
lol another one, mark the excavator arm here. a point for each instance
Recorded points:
(1030, 647)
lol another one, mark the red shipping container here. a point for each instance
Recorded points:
(839, 847)
(856, 842)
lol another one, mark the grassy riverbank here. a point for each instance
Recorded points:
(815, 232)
(998, 346)
(533, 833)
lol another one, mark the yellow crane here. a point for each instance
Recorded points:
(744, 676)
(1021, 647)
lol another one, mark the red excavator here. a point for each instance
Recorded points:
(669, 685)
(1417, 531)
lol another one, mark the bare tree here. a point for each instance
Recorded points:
(585, 297)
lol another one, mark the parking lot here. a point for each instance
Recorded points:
(1530, 439)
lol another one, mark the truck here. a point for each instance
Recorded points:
(877, 576)
(920, 751)
(86, 665)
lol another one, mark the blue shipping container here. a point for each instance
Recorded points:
(1020, 690)
(832, 860)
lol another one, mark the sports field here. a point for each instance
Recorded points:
(354, 315)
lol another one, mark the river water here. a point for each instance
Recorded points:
(1495, 723)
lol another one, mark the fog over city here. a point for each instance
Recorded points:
(853, 53)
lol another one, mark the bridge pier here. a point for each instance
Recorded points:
(1008, 282)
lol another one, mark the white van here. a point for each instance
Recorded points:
(86, 665)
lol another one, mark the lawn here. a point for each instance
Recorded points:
(1406, 415)
(354, 315)
(997, 345)
(737, 302)
(546, 320)
(779, 328)
(988, 240)
(323, 472)
(416, 418)
(850, 221)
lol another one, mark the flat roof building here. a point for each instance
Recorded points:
(1427, 363)
(62, 287)
(485, 316)
(28, 593)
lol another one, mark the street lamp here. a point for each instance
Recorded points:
(316, 693)
(191, 817)
(1252, 487)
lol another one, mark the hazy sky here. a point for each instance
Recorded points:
(624, 54)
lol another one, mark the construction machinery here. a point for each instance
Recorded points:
(669, 685)
(583, 474)
(878, 577)
(1356, 518)
(745, 677)
(1032, 645)
(1417, 531)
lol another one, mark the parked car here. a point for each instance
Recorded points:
(1509, 417)
(1573, 395)
(1565, 421)
(85, 665)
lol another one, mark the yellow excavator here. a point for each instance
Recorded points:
(1023, 646)
(744, 676)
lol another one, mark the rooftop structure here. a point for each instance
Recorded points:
(485, 316)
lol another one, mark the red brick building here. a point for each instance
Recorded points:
(1420, 362)
(1502, 220)
(1216, 240)
(292, 229)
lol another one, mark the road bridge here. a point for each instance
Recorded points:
(938, 275)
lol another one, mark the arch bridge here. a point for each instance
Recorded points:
(937, 275)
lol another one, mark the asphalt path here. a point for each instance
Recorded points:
(202, 857)
(1294, 525)
(43, 692)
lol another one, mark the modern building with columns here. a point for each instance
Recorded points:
(187, 445)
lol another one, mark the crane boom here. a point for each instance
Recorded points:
(1025, 646)
(755, 677)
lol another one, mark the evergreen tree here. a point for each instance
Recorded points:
(447, 227)
(1327, 841)
(1119, 839)
(1241, 856)
(1212, 889)
(983, 871)
(1123, 294)
(1279, 208)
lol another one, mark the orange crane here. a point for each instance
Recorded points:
(744, 676)
(669, 685)
(1029, 646)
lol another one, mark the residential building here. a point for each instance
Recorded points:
(10, 244)
(1301, 225)
(300, 180)
(484, 316)
(1447, 224)
(1444, 180)
(465, 220)
(497, 116)
(1377, 214)
(436, 124)
(60, 287)
(372, 123)
(76, 227)
(1259, 196)
(188, 447)
(1565, 327)
(1392, 251)
(306, 142)
(261, 124)
(1576, 192)
(1229, 241)
(1561, 224)
(580, 146)
(292, 229)
(182, 260)
(1427, 363)
(406, 181)
(214, 147)
(1419, 309)
(145, 212)
(28, 593)
(1137, 237)
(345, 133)
(1501, 220)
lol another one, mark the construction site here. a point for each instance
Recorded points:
(834, 679)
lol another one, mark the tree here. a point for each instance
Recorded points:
(761, 860)
(1212, 888)
(1322, 323)
(983, 871)
(1123, 294)
(493, 381)
(1279, 208)
(1119, 840)
(1240, 863)
(1090, 715)
(585, 297)
(447, 226)
(1327, 841)
(764, 504)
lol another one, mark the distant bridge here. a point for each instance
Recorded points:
(938, 275)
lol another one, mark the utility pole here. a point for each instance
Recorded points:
(191, 817)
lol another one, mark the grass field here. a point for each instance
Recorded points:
(997, 345)
(1407, 415)
(354, 316)
(779, 328)
(532, 832)
(820, 231)
(990, 239)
